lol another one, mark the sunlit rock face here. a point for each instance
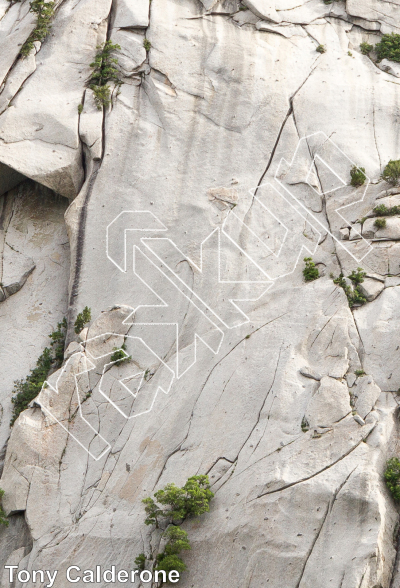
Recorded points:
(180, 214)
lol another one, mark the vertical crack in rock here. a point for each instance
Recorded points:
(313, 545)
(327, 512)
(80, 236)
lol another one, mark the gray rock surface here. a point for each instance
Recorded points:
(223, 160)
(370, 288)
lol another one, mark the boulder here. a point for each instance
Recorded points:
(330, 403)
(131, 13)
(366, 393)
(263, 9)
(390, 232)
(370, 288)
(16, 270)
(390, 67)
(355, 232)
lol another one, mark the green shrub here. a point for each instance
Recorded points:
(119, 355)
(353, 296)
(190, 501)
(391, 173)
(389, 47)
(366, 48)
(80, 108)
(58, 342)
(51, 359)
(3, 519)
(357, 175)
(102, 96)
(310, 272)
(359, 373)
(44, 14)
(305, 425)
(383, 210)
(147, 45)
(357, 277)
(321, 49)
(177, 541)
(392, 477)
(174, 504)
(82, 319)
(171, 562)
(104, 71)
(380, 223)
(140, 561)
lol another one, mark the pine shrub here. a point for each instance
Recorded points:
(50, 360)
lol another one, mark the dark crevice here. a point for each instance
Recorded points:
(313, 545)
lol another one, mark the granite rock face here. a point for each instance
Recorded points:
(222, 161)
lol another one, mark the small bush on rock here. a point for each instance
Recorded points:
(50, 360)
(173, 504)
(357, 175)
(321, 49)
(119, 355)
(191, 500)
(383, 210)
(140, 561)
(310, 272)
(392, 477)
(3, 519)
(177, 541)
(366, 48)
(389, 47)
(104, 71)
(380, 223)
(44, 12)
(82, 319)
(354, 295)
(147, 45)
(357, 277)
(391, 173)
(305, 425)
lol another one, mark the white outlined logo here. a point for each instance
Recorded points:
(266, 243)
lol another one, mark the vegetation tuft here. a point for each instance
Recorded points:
(321, 49)
(380, 223)
(392, 477)
(305, 425)
(171, 506)
(104, 71)
(389, 47)
(119, 355)
(147, 45)
(140, 561)
(366, 48)
(191, 500)
(357, 175)
(44, 14)
(310, 272)
(391, 173)
(359, 373)
(3, 519)
(50, 360)
(82, 319)
(177, 541)
(383, 210)
(354, 295)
